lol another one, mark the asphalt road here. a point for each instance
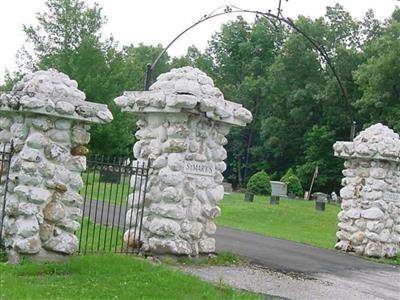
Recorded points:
(289, 270)
(270, 252)
(289, 256)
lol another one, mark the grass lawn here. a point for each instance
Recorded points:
(116, 193)
(108, 276)
(294, 220)
(95, 238)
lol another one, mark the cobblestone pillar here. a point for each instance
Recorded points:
(46, 117)
(370, 216)
(183, 121)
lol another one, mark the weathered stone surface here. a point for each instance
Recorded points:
(33, 194)
(172, 211)
(169, 246)
(46, 117)
(131, 237)
(373, 213)
(357, 238)
(76, 163)
(183, 121)
(46, 231)
(207, 245)
(164, 227)
(31, 155)
(369, 193)
(79, 150)
(373, 249)
(60, 136)
(63, 107)
(80, 136)
(64, 243)
(69, 198)
(26, 208)
(54, 211)
(63, 124)
(53, 151)
(170, 194)
(27, 226)
(171, 178)
(68, 225)
(42, 123)
(30, 245)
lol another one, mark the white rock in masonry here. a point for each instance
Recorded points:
(183, 89)
(46, 117)
(54, 93)
(370, 212)
(183, 121)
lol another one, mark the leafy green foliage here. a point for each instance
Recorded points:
(379, 77)
(299, 110)
(259, 184)
(293, 183)
(318, 152)
(68, 39)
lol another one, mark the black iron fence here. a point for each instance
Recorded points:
(113, 204)
(6, 152)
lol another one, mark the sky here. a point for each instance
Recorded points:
(158, 22)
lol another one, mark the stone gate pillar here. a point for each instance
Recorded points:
(183, 121)
(370, 216)
(46, 117)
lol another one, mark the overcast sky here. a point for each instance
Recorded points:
(157, 22)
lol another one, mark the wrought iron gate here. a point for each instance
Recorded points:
(6, 152)
(113, 204)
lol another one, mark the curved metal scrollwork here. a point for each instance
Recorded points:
(229, 9)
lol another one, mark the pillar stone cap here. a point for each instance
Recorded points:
(376, 142)
(53, 93)
(185, 89)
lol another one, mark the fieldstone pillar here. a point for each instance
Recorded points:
(46, 118)
(183, 121)
(370, 219)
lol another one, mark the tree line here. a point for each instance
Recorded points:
(299, 110)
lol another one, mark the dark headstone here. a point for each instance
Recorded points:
(248, 197)
(110, 174)
(274, 200)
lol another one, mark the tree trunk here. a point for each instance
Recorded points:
(248, 145)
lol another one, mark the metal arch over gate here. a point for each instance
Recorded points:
(112, 187)
(6, 152)
(278, 17)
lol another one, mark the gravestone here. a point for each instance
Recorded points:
(47, 119)
(369, 222)
(320, 200)
(278, 189)
(183, 121)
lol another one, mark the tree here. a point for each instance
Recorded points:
(318, 152)
(293, 183)
(379, 77)
(237, 59)
(68, 39)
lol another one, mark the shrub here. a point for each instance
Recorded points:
(259, 184)
(293, 183)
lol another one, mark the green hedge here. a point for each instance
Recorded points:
(259, 184)
(293, 183)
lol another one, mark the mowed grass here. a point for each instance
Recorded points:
(108, 276)
(116, 193)
(294, 220)
(96, 238)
